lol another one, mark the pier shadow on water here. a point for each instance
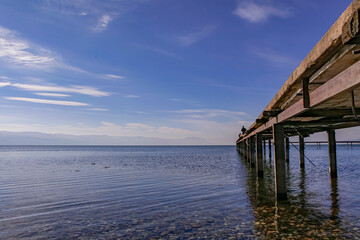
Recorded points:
(315, 208)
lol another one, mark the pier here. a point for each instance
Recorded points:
(321, 95)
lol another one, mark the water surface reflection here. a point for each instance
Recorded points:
(71, 192)
(312, 211)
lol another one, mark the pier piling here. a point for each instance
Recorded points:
(259, 156)
(252, 151)
(302, 152)
(279, 162)
(264, 150)
(269, 150)
(332, 153)
(315, 98)
(287, 149)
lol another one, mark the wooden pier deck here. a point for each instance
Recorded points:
(322, 94)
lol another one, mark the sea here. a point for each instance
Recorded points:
(173, 192)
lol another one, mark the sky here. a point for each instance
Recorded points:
(157, 69)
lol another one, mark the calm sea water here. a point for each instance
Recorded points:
(73, 192)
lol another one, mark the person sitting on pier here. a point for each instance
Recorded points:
(243, 130)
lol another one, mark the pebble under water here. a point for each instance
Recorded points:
(194, 192)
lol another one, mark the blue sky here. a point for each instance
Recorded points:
(174, 69)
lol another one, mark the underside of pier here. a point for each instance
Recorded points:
(321, 95)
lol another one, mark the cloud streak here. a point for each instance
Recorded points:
(4, 84)
(85, 90)
(113, 76)
(193, 37)
(16, 51)
(99, 109)
(131, 96)
(102, 23)
(46, 101)
(209, 113)
(104, 11)
(274, 57)
(256, 13)
(52, 94)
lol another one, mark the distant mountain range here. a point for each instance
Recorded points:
(36, 138)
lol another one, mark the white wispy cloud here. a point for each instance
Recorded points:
(46, 101)
(85, 90)
(274, 57)
(209, 113)
(103, 12)
(114, 76)
(99, 109)
(193, 37)
(255, 13)
(106, 128)
(224, 132)
(130, 96)
(52, 94)
(4, 84)
(102, 23)
(4, 77)
(158, 50)
(17, 51)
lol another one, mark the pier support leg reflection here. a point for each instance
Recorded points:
(269, 149)
(334, 199)
(252, 151)
(279, 162)
(332, 153)
(264, 150)
(302, 152)
(287, 148)
(247, 150)
(259, 156)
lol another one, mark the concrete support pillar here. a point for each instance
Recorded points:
(279, 162)
(287, 149)
(332, 153)
(269, 149)
(302, 152)
(259, 156)
(252, 150)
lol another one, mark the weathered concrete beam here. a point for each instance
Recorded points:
(343, 82)
(261, 121)
(351, 30)
(331, 43)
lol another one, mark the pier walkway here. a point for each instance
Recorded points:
(322, 94)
